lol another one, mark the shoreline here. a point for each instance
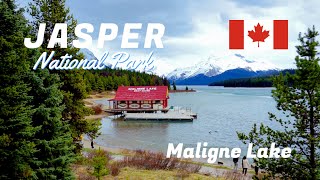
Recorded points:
(181, 91)
(215, 170)
(87, 145)
(90, 102)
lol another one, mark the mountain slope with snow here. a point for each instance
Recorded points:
(221, 68)
(216, 65)
(87, 54)
(90, 56)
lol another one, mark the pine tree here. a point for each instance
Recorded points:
(53, 141)
(174, 86)
(73, 87)
(166, 83)
(16, 132)
(111, 86)
(100, 162)
(134, 81)
(100, 85)
(298, 96)
(126, 80)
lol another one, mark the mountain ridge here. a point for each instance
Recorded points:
(220, 68)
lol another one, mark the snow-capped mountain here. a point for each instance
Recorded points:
(90, 56)
(87, 54)
(216, 65)
(220, 68)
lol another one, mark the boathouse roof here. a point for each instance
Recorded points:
(136, 93)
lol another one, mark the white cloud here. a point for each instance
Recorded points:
(197, 29)
(210, 35)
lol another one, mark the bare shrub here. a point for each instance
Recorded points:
(157, 161)
(149, 160)
(115, 169)
(97, 109)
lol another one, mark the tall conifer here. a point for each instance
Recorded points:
(16, 131)
(53, 141)
(73, 83)
(298, 96)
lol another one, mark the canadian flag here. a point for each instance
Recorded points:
(255, 34)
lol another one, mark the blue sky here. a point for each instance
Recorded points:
(196, 30)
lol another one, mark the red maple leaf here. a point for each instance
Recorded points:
(258, 34)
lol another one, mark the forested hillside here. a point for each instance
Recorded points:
(110, 79)
(261, 81)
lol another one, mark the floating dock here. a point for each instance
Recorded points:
(169, 116)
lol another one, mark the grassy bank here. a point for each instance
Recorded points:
(140, 164)
(138, 174)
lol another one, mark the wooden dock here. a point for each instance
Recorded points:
(169, 116)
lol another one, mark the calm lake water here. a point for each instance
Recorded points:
(221, 111)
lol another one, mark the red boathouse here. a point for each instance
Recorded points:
(140, 99)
